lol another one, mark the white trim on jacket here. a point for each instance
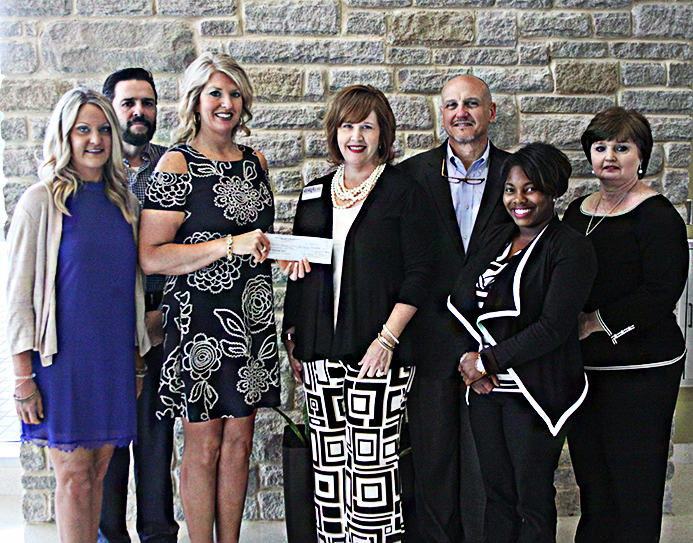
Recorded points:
(488, 339)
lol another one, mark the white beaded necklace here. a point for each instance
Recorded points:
(351, 196)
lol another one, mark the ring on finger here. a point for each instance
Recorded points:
(379, 373)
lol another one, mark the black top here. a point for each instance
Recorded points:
(435, 327)
(220, 348)
(388, 258)
(643, 265)
(530, 323)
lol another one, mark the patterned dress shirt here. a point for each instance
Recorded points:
(138, 184)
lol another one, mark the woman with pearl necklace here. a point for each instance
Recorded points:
(346, 324)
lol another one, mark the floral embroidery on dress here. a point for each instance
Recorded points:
(258, 303)
(202, 357)
(164, 314)
(169, 189)
(237, 196)
(256, 379)
(234, 326)
(171, 381)
(220, 274)
(183, 318)
(170, 283)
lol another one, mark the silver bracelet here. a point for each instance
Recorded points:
(387, 330)
(23, 378)
(29, 397)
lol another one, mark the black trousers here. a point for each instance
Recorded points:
(518, 457)
(619, 445)
(153, 452)
(449, 491)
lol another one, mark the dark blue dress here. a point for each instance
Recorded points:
(89, 391)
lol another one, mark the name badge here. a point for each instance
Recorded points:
(310, 193)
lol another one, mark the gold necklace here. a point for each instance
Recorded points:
(590, 229)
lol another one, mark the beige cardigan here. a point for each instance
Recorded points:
(34, 240)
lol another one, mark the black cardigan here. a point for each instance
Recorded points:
(643, 266)
(533, 330)
(388, 258)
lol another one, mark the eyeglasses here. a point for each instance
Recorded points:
(468, 180)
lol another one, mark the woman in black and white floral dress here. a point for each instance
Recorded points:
(207, 207)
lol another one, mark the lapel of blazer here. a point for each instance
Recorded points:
(439, 190)
(514, 308)
(320, 207)
(462, 301)
(326, 203)
(492, 195)
(367, 203)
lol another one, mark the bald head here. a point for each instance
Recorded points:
(470, 83)
(467, 111)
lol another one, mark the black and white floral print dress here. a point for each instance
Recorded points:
(220, 347)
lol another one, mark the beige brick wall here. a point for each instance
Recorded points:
(551, 65)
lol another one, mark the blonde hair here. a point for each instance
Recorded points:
(193, 81)
(57, 169)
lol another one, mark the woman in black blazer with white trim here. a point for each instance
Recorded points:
(518, 301)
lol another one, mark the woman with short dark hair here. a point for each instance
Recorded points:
(632, 347)
(518, 301)
(345, 323)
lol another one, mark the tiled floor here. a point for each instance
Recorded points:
(14, 530)
(676, 528)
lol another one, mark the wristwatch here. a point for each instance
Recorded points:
(480, 366)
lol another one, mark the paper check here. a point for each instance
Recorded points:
(285, 247)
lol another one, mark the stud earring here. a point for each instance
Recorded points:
(593, 172)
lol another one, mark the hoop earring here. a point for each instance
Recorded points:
(198, 120)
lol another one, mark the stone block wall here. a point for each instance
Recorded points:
(551, 65)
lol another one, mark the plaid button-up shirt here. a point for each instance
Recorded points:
(138, 184)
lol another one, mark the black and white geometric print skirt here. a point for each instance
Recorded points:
(355, 426)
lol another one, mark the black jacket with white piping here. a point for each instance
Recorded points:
(531, 330)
